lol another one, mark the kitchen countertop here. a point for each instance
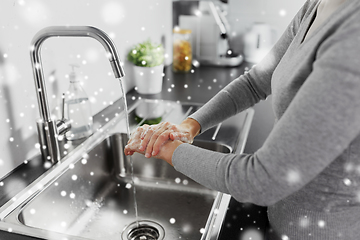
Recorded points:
(243, 221)
(196, 86)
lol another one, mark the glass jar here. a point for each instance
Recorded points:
(182, 50)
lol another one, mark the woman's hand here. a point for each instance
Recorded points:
(167, 150)
(149, 139)
(156, 135)
(135, 143)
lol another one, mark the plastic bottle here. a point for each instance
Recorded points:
(78, 109)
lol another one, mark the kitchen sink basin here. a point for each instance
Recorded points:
(94, 197)
(96, 192)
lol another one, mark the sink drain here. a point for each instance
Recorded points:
(144, 233)
(143, 230)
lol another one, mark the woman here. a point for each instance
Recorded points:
(308, 170)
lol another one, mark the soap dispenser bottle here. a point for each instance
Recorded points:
(78, 109)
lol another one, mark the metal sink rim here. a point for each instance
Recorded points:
(148, 183)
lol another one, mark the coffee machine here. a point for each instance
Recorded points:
(211, 41)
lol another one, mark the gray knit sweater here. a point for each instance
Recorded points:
(308, 170)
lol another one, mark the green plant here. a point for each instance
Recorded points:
(146, 54)
(147, 121)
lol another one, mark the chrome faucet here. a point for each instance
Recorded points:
(50, 130)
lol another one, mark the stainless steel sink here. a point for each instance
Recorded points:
(90, 195)
(92, 200)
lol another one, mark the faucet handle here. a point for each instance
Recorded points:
(63, 125)
(63, 106)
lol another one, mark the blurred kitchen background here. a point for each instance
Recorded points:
(127, 22)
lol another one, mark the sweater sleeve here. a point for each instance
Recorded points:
(318, 125)
(253, 86)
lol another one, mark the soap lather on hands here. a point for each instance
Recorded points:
(150, 140)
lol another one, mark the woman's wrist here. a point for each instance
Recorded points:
(192, 125)
(167, 151)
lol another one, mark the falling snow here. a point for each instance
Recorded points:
(284, 237)
(347, 182)
(113, 13)
(321, 224)
(304, 222)
(282, 12)
(47, 164)
(32, 211)
(293, 177)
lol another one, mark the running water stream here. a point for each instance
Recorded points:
(131, 160)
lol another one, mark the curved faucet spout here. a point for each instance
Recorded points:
(48, 132)
(68, 31)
